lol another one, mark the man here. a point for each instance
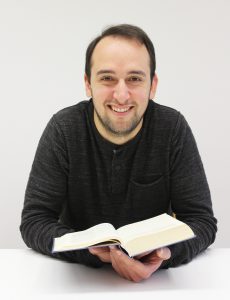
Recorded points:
(120, 158)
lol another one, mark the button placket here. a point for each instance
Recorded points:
(116, 182)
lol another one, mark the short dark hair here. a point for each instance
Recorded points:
(129, 32)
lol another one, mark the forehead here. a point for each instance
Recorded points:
(120, 52)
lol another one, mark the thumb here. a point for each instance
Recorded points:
(92, 250)
(163, 253)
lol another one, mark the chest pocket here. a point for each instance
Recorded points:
(148, 197)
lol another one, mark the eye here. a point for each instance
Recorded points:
(135, 79)
(106, 78)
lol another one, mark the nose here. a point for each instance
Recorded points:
(121, 92)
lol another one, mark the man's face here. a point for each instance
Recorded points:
(120, 86)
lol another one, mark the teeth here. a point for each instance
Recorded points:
(120, 109)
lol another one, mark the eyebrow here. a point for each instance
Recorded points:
(106, 71)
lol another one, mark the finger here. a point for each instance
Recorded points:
(130, 268)
(139, 256)
(119, 254)
(93, 250)
(156, 257)
(114, 262)
(151, 268)
(120, 262)
(103, 253)
(98, 250)
(153, 261)
(163, 253)
(113, 247)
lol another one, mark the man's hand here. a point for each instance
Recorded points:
(101, 252)
(138, 270)
(135, 269)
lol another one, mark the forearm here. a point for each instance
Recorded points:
(38, 231)
(45, 195)
(184, 252)
(191, 202)
(190, 196)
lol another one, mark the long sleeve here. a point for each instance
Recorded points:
(45, 195)
(190, 195)
(70, 179)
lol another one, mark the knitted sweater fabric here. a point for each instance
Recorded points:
(79, 179)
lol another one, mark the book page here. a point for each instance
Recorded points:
(152, 225)
(156, 240)
(82, 239)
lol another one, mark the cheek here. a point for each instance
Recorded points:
(141, 91)
(102, 92)
(141, 96)
(142, 99)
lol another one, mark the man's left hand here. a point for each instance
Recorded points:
(103, 253)
(138, 270)
(134, 269)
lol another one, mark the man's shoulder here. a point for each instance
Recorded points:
(164, 119)
(165, 110)
(72, 113)
(167, 119)
(164, 113)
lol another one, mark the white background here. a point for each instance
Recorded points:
(42, 52)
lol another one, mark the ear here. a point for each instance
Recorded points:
(87, 86)
(153, 86)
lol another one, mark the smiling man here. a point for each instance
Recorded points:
(120, 86)
(118, 157)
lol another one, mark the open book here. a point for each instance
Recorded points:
(134, 238)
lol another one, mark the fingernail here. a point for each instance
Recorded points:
(160, 252)
(112, 247)
(163, 253)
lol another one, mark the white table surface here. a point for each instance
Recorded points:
(26, 274)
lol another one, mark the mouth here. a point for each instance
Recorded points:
(120, 111)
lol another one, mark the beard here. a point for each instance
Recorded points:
(116, 129)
